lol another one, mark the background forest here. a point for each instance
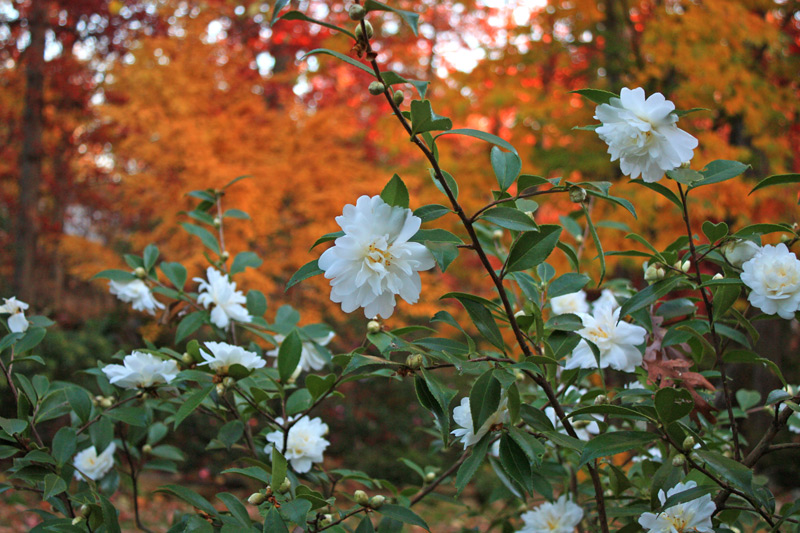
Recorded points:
(112, 110)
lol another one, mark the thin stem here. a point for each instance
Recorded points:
(714, 337)
(436, 482)
(99, 416)
(135, 484)
(344, 517)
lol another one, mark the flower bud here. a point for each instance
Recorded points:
(373, 326)
(600, 399)
(376, 501)
(686, 266)
(430, 476)
(77, 520)
(361, 497)
(105, 403)
(677, 265)
(519, 375)
(220, 389)
(784, 238)
(228, 382)
(376, 88)
(225, 255)
(529, 214)
(186, 358)
(140, 272)
(360, 32)
(651, 274)
(679, 460)
(739, 251)
(256, 498)
(718, 275)
(217, 222)
(84, 511)
(414, 361)
(577, 195)
(285, 485)
(579, 238)
(147, 448)
(661, 273)
(356, 12)
(497, 234)
(398, 97)
(326, 520)
(688, 443)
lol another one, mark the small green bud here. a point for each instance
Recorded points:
(186, 358)
(147, 448)
(686, 266)
(228, 382)
(600, 399)
(220, 389)
(105, 403)
(398, 97)
(679, 460)
(225, 255)
(373, 326)
(361, 498)
(356, 12)
(577, 195)
(376, 501)
(376, 88)
(651, 273)
(85, 510)
(77, 520)
(519, 375)
(688, 443)
(728, 454)
(285, 485)
(430, 476)
(414, 361)
(217, 222)
(140, 272)
(718, 275)
(360, 32)
(326, 520)
(661, 273)
(256, 498)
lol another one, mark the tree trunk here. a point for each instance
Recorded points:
(30, 161)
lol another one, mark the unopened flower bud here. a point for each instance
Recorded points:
(661, 273)
(256, 498)
(77, 520)
(686, 266)
(376, 88)
(738, 252)
(105, 403)
(220, 389)
(651, 274)
(228, 382)
(376, 501)
(579, 238)
(688, 443)
(140, 272)
(361, 497)
(784, 238)
(186, 358)
(225, 255)
(728, 454)
(600, 399)
(679, 460)
(414, 361)
(577, 195)
(356, 12)
(677, 265)
(326, 520)
(360, 32)
(147, 448)
(398, 97)
(373, 326)
(84, 511)
(497, 234)
(285, 485)
(519, 375)
(217, 222)
(718, 275)
(530, 214)
(430, 476)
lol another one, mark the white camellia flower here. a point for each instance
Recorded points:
(773, 277)
(137, 293)
(606, 298)
(223, 355)
(462, 415)
(374, 261)
(693, 516)
(17, 322)
(141, 370)
(221, 292)
(310, 358)
(561, 516)
(583, 428)
(642, 134)
(304, 443)
(94, 466)
(569, 303)
(739, 251)
(616, 341)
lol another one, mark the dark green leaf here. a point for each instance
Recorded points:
(365, 526)
(484, 399)
(431, 212)
(237, 509)
(613, 443)
(649, 295)
(80, 402)
(122, 276)
(327, 238)
(720, 170)
(30, 340)
(468, 468)
(598, 96)
(205, 236)
(190, 404)
(189, 324)
(279, 467)
(274, 523)
(532, 248)
(110, 519)
(256, 303)
(424, 119)
(506, 166)
(64, 444)
(244, 260)
(510, 218)
(176, 274)
(395, 193)
(567, 284)
(230, 433)
(482, 135)
(190, 497)
(53, 486)
(150, 256)
(515, 462)
(289, 354)
(402, 514)
(733, 471)
(482, 318)
(778, 179)
(687, 176)
(296, 15)
(673, 404)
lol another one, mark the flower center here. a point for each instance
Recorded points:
(677, 522)
(378, 255)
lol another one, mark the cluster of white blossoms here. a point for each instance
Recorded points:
(137, 293)
(94, 466)
(17, 322)
(221, 292)
(642, 134)
(224, 355)
(692, 516)
(304, 442)
(575, 302)
(310, 357)
(616, 340)
(773, 276)
(561, 516)
(141, 370)
(373, 261)
(462, 415)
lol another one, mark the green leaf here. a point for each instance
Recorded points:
(237, 509)
(598, 96)
(256, 303)
(686, 495)
(64, 444)
(449, 181)
(274, 523)
(30, 340)
(296, 15)
(79, 401)
(468, 468)
(672, 404)
(424, 119)
(777, 179)
(684, 112)
(431, 212)
(532, 248)
(614, 200)
(13, 426)
(150, 256)
(481, 317)
(189, 324)
(733, 471)
(515, 462)
(395, 193)
(529, 444)
(53, 486)
(482, 135)
(410, 18)
(443, 252)
(318, 385)
(343, 57)
(110, 518)
(506, 166)
(327, 238)
(435, 235)
(122, 276)
(230, 433)
(365, 526)
(597, 244)
(484, 399)
(649, 295)
(244, 260)
(747, 398)
(720, 170)
(279, 4)
(279, 467)
(289, 354)
(687, 176)
(236, 213)
(176, 274)
(714, 232)
(567, 284)
(660, 189)
(613, 443)
(510, 218)
(190, 497)
(392, 78)
(402, 514)
(190, 404)
(205, 236)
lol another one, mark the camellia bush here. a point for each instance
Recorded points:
(659, 452)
